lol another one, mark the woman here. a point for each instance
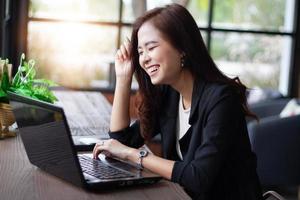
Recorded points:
(199, 112)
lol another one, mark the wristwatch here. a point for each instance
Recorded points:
(142, 153)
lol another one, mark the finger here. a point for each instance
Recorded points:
(97, 149)
(119, 55)
(127, 47)
(94, 151)
(124, 51)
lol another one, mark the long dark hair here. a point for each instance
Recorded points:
(180, 29)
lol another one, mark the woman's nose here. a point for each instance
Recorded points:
(146, 58)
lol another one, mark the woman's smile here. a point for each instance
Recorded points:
(152, 70)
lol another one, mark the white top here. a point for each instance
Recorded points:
(182, 124)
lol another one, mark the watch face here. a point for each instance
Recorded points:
(143, 153)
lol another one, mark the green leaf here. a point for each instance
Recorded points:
(16, 79)
(43, 93)
(31, 70)
(23, 91)
(2, 93)
(5, 84)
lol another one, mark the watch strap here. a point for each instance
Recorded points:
(142, 153)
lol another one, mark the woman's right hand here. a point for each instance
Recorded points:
(123, 66)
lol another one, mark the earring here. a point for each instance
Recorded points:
(182, 61)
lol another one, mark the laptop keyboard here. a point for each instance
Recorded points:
(100, 170)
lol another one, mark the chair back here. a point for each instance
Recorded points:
(276, 142)
(268, 108)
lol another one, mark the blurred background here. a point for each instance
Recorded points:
(74, 41)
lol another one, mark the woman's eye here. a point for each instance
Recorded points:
(151, 48)
(140, 53)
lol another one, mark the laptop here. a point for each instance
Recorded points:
(49, 146)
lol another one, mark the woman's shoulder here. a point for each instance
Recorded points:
(212, 93)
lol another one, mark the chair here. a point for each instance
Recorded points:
(276, 142)
(268, 108)
(272, 195)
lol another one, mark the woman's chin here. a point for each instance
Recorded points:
(155, 81)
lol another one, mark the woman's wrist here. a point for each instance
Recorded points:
(123, 88)
(123, 81)
(132, 155)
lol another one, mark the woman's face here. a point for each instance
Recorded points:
(157, 56)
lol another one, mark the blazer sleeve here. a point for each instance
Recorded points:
(129, 136)
(218, 135)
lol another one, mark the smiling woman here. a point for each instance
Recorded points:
(198, 111)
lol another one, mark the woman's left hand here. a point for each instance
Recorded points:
(112, 148)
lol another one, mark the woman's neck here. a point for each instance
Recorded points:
(184, 85)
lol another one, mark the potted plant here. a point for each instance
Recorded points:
(24, 83)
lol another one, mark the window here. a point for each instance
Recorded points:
(74, 41)
(251, 39)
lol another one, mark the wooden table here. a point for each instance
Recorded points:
(85, 109)
(21, 180)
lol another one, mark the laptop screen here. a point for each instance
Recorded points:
(46, 137)
(32, 115)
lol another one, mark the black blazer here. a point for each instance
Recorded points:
(217, 159)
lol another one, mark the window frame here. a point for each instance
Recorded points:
(13, 37)
(294, 66)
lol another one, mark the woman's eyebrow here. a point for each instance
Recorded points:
(148, 43)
